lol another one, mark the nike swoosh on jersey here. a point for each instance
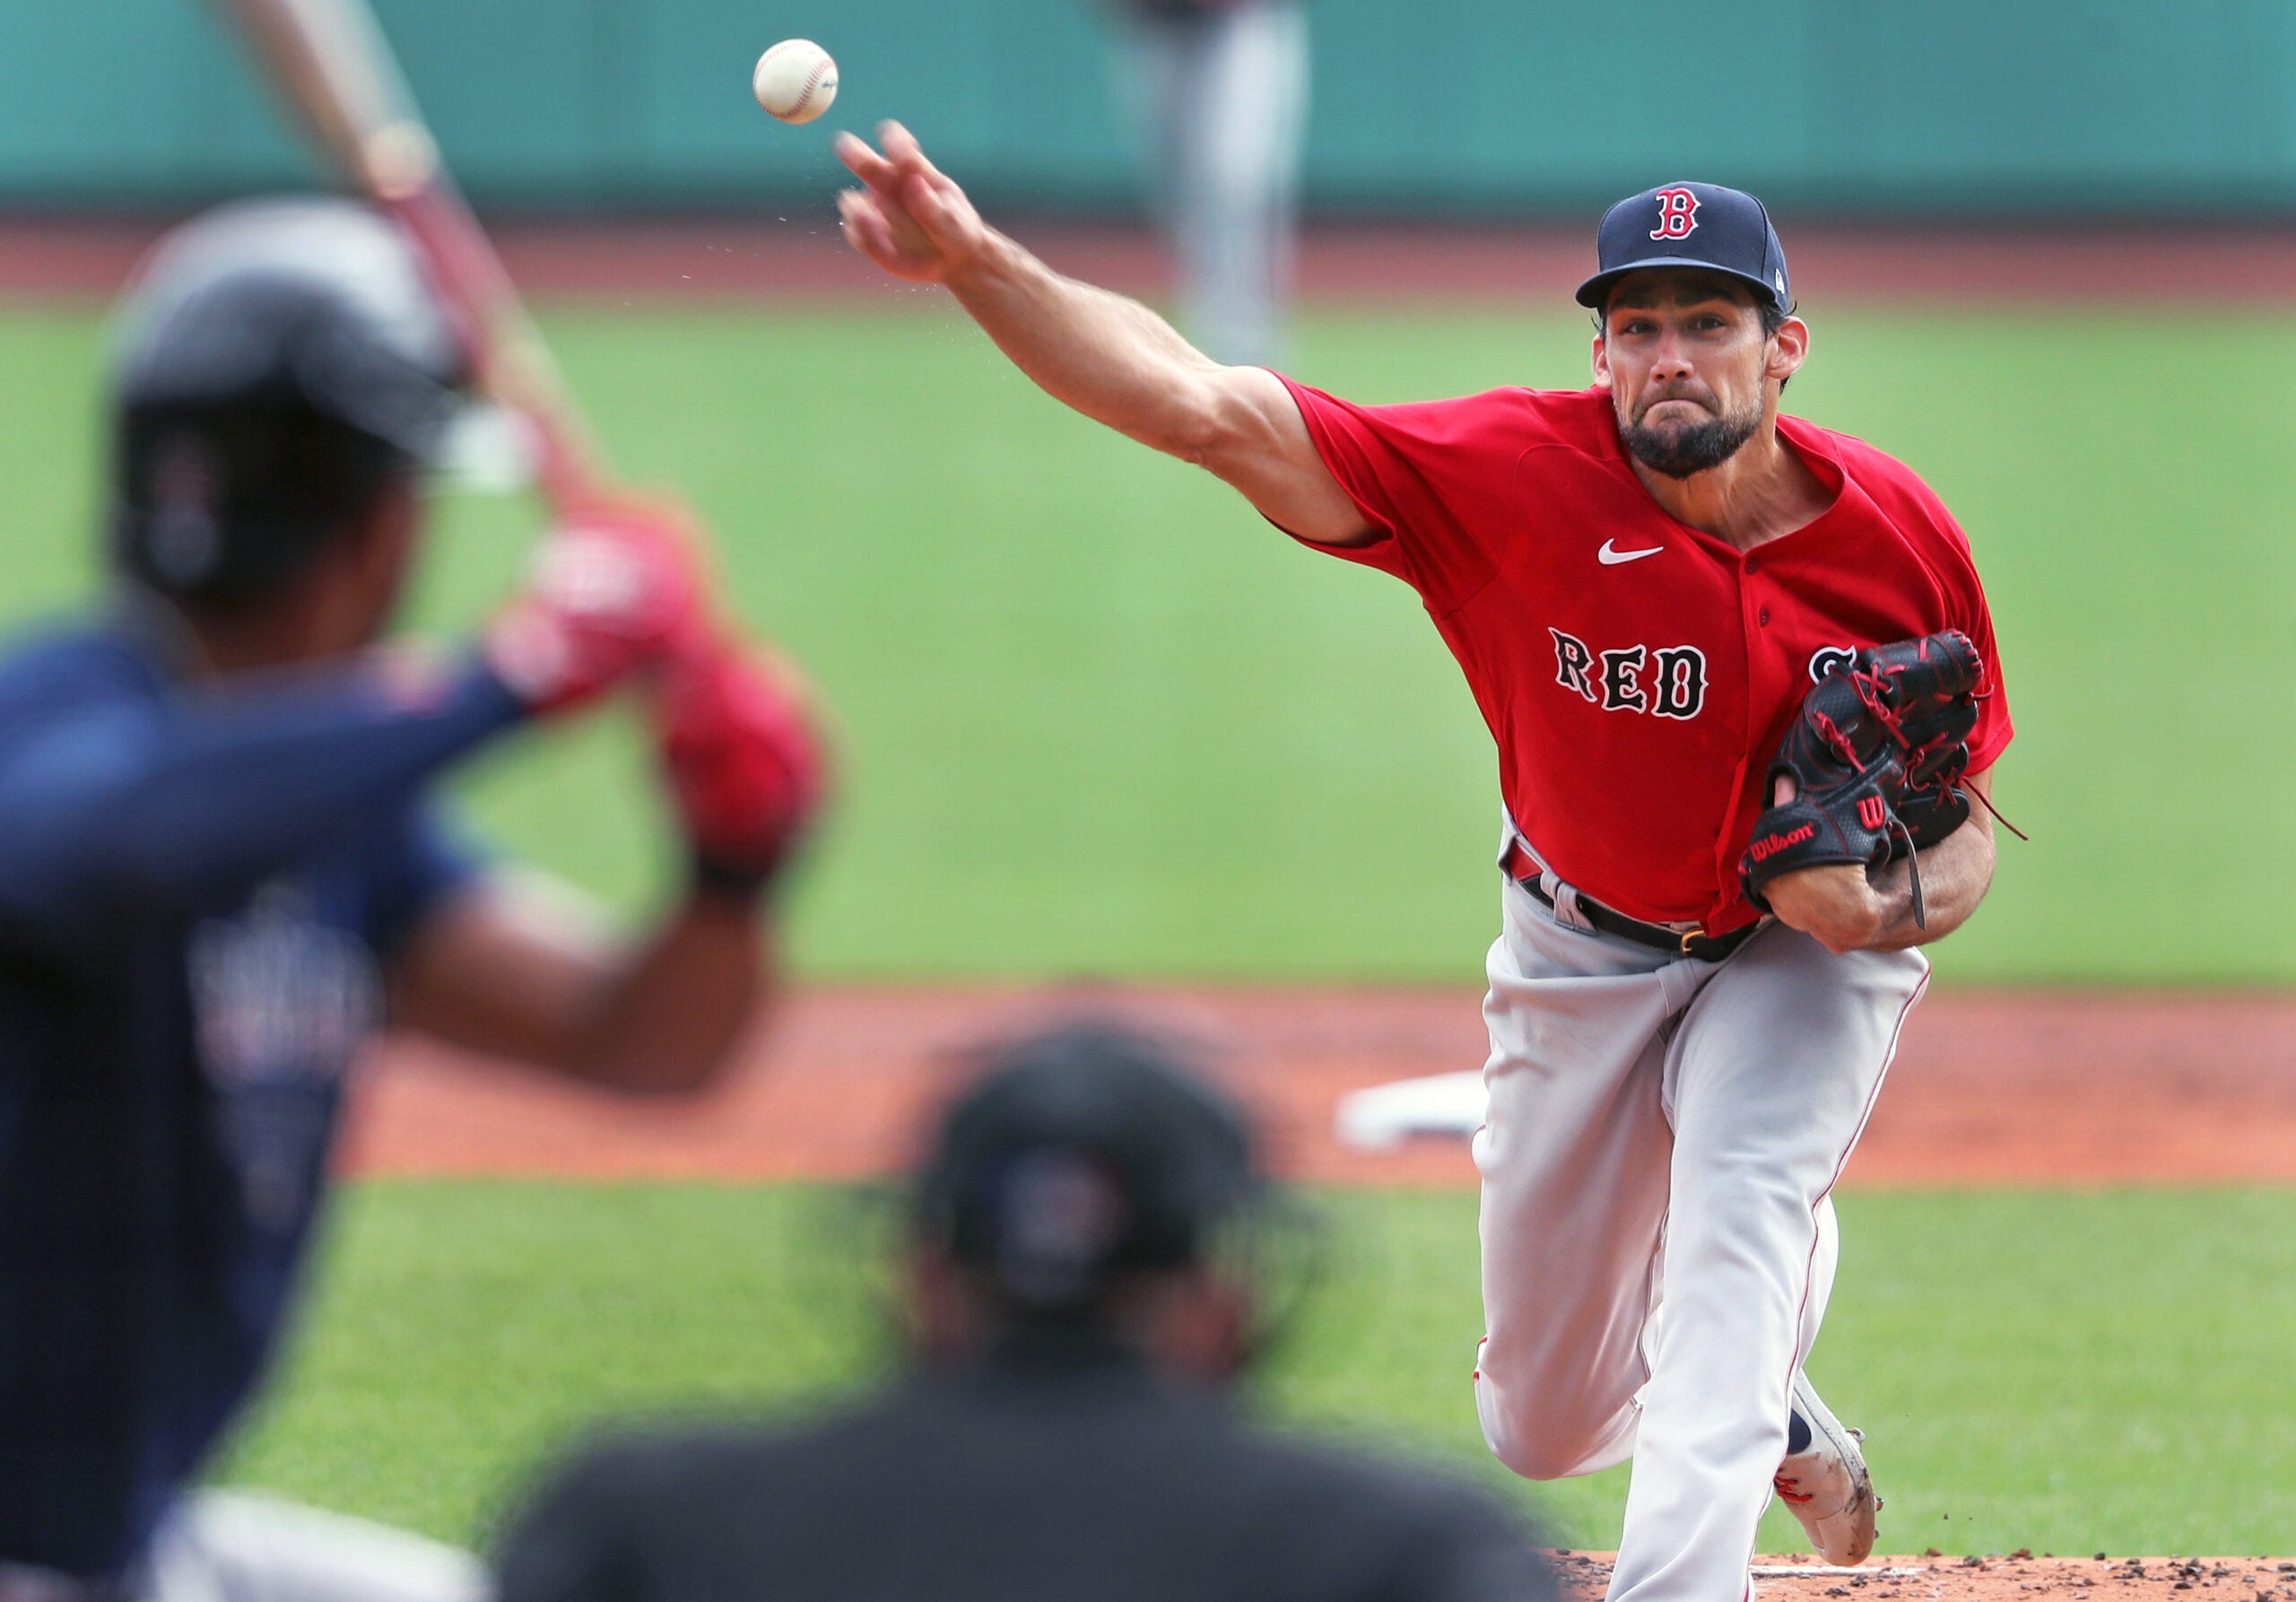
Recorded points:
(1609, 556)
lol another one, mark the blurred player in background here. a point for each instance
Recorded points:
(1219, 88)
(223, 870)
(1082, 1303)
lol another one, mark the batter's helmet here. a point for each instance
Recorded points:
(277, 362)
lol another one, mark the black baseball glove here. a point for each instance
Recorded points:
(1876, 755)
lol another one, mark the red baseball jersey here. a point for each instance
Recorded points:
(1637, 673)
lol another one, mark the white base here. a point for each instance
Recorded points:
(1447, 1106)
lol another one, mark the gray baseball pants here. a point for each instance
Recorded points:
(1659, 1240)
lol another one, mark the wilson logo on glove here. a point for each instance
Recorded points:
(1764, 849)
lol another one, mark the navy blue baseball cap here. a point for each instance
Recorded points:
(1690, 226)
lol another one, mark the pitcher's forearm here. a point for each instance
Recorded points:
(1103, 353)
(1956, 874)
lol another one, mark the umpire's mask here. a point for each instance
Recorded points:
(277, 361)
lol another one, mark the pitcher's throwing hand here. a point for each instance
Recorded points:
(910, 218)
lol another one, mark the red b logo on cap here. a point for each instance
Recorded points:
(1678, 215)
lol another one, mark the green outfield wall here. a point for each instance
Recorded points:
(1486, 107)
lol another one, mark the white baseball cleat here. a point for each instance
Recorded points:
(1825, 1482)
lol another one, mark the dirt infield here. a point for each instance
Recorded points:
(1989, 1579)
(2056, 1089)
(745, 256)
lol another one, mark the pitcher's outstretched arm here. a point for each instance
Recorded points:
(1105, 355)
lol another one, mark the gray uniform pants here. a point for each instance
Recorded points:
(233, 1546)
(1659, 1240)
(1222, 98)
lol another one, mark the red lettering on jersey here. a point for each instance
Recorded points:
(1678, 215)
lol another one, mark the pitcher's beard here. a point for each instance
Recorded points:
(1680, 452)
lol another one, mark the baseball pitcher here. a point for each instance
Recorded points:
(1741, 675)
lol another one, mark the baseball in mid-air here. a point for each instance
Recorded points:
(795, 79)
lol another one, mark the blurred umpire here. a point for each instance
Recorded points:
(1068, 1432)
(222, 869)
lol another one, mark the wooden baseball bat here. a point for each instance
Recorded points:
(331, 61)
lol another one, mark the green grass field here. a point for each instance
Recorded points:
(1100, 719)
(2070, 1374)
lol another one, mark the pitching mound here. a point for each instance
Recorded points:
(2020, 1575)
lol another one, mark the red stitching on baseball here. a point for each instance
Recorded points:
(811, 83)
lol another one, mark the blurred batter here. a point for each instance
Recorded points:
(223, 870)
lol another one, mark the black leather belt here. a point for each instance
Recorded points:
(1705, 948)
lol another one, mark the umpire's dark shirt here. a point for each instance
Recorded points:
(1060, 1471)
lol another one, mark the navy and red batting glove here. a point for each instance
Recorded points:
(744, 763)
(615, 588)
